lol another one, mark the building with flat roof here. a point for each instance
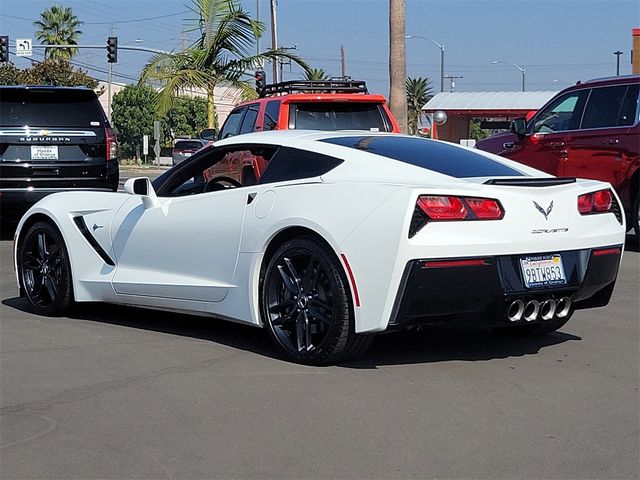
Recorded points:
(226, 97)
(462, 107)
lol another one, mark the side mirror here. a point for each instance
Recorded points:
(142, 186)
(209, 134)
(519, 126)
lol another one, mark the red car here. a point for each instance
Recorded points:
(590, 130)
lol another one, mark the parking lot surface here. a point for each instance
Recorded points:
(115, 392)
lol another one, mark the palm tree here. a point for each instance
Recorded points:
(220, 55)
(58, 26)
(397, 63)
(317, 74)
(419, 91)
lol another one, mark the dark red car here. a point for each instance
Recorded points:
(590, 130)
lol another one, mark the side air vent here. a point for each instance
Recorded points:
(530, 182)
(82, 226)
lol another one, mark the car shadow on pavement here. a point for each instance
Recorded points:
(437, 343)
(444, 343)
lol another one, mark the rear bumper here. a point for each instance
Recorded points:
(479, 290)
(17, 197)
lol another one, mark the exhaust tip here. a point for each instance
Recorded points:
(515, 311)
(531, 310)
(548, 309)
(563, 307)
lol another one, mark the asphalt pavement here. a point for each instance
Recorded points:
(117, 393)
(132, 171)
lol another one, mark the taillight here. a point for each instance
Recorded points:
(596, 202)
(445, 207)
(112, 144)
(442, 208)
(485, 208)
(602, 200)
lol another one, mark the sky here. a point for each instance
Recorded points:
(556, 42)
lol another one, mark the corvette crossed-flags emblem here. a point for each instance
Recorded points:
(543, 211)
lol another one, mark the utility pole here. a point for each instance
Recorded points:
(274, 38)
(452, 81)
(617, 53)
(282, 63)
(343, 63)
(258, 19)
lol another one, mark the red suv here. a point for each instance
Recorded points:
(590, 130)
(299, 104)
(311, 105)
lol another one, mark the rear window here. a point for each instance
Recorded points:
(436, 156)
(187, 145)
(339, 116)
(50, 108)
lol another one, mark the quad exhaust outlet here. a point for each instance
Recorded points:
(532, 310)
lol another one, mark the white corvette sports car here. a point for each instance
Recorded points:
(332, 237)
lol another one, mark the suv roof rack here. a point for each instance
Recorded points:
(314, 86)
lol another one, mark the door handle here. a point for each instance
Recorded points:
(508, 145)
(611, 141)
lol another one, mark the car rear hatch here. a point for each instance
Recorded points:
(53, 138)
(186, 147)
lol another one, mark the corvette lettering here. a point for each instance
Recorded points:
(549, 230)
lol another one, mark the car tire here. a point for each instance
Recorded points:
(306, 304)
(535, 329)
(44, 271)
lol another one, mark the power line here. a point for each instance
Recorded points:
(137, 20)
(106, 23)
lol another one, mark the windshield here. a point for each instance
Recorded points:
(340, 116)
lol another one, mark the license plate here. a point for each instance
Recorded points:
(543, 271)
(188, 154)
(40, 152)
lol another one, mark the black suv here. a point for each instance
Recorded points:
(52, 139)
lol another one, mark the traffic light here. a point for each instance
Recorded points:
(4, 48)
(112, 50)
(261, 78)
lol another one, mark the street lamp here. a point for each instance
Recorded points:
(495, 62)
(441, 47)
(617, 53)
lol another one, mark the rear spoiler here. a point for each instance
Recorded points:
(531, 182)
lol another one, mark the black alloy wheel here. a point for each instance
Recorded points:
(44, 272)
(306, 304)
